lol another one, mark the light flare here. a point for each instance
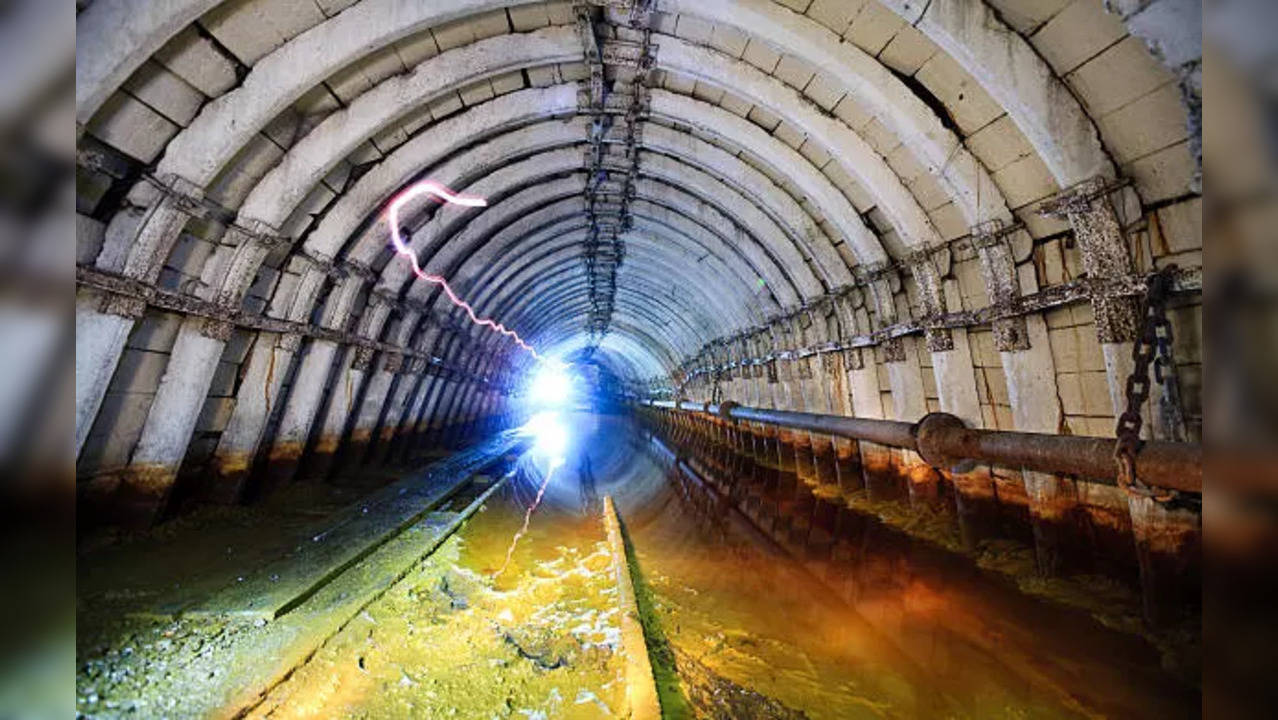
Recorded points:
(550, 438)
(434, 189)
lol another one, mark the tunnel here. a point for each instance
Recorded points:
(638, 358)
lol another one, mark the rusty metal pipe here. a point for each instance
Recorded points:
(943, 441)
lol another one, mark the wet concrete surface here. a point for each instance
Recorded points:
(736, 627)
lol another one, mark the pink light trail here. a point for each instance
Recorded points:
(434, 189)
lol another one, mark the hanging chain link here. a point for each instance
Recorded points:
(1152, 347)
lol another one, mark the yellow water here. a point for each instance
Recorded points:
(449, 641)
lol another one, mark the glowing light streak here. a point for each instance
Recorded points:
(510, 551)
(434, 189)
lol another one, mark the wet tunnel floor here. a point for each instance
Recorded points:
(736, 629)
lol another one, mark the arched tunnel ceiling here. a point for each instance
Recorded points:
(780, 151)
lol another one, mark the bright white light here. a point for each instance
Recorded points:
(551, 385)
(550, 436)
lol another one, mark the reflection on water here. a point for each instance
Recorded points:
(754, 634)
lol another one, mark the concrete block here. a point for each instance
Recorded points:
(479, 92)
(814, 153)
(248, 167)
(999, 143)
(1025, 16)
(560, 12)
(984, 354)
(1077, 33)
(417, 48)
(349, 83)
(223, 384)
(89, 234)
(1181, 225)
(390, 138)
(1119, 75)
(971, 284)
(1090, 357)
(707, 93)
(873, 27)
(967, 102)
(238, 346)
(573, 71)
(761, 55)
(253, 28)
(286, 128)
(1149, 123)
(115, 431)
(679, 83)
(1082, 313)
(189, 255)
(729, 40)
(528, 17)
(764, 119)
(543, 76)
(215, 414)
(1003, 417)
(194, 59)
(132, 127)
(928, 192)
(90, 187)
(490, 24)
(1098, 426)
(1164, 174)
(165, 92)
(852, 113)
(508, 82)
(1024, 181)
(905, 163)
(318, 102)
(997, 385)
(1069, 388)
(139, 371)
(155, 331)
(825, 91)
(1038, 225)
(835, 14)
(735, 105)
(694, 29)
(908, 50)
(1059, 317)
(880, 137)
(1095, 389)
(794, 72)
(1064, 343)
(453, 34)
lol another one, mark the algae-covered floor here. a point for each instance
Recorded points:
(736, 628)
(447, 640)
(451, 641)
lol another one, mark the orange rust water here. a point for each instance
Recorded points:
(914, 634)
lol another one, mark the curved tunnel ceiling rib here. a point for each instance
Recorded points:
(719, 203)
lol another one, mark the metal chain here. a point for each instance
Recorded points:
(1155, 339)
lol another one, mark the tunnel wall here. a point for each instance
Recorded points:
(915, 203)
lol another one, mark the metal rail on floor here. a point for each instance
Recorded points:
(943, 441)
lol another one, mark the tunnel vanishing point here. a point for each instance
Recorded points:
(907, 293)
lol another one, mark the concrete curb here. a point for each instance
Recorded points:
(641, 686)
